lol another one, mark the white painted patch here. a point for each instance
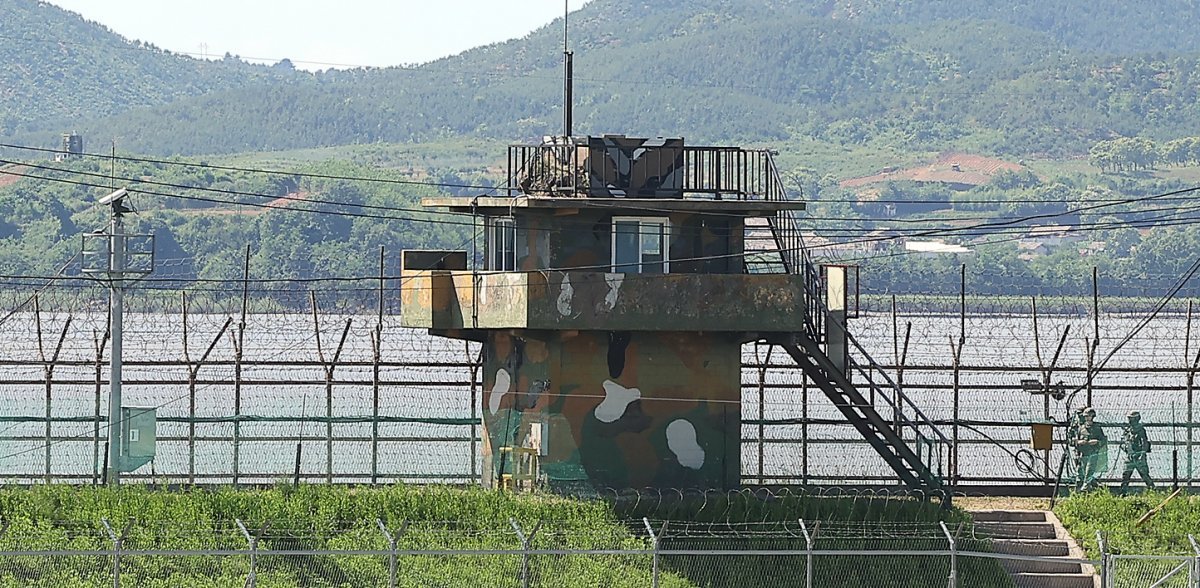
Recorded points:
(681, 440)
(502, 387)
(616, 399)
(564, 296)
(614, 289)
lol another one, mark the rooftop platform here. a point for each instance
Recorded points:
(668, 205)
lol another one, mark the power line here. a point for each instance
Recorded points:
(250, 170)
(645, 208)
(923, 233)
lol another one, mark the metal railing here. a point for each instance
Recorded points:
(930, 444)
(713, 172)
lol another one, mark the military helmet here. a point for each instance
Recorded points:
(1089, 410)
(1134, 415)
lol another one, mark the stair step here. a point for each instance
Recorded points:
(1016, 566)
(1017, 530)
(1008, 516)
(1054, 580)
(1044, 548)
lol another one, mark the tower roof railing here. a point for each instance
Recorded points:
(581, 170)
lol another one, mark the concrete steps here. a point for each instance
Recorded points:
(1036, 534)
(1054, 580)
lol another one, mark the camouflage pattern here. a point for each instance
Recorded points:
(552, 168)
(1073, 426)
(616, 409)
(1136, 445)
(612, 166)
(617, 379)
(1092, 445)
(621, 166)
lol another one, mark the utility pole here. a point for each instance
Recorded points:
(116, 315)
(568, 76)
(107, 254)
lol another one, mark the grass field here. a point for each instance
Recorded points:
(434, 518)
(1166, 533)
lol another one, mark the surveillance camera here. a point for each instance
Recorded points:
(115, 196)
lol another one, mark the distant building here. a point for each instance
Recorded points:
(936, 248)
(1028, 250)
(72, 146)
(1045, 239)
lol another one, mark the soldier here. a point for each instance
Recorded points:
(1093, 449)
(1073, 425)
(1136, 445)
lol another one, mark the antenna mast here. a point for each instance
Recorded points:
(569, 77)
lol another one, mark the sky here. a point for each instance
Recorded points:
(318, 34)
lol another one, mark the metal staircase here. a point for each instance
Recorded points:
(910, 443)
(896, 428)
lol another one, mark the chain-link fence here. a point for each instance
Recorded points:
(327, 386)
(651, 553)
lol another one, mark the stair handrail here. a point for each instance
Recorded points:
(919, 423)
(797, 260)
(901, 399)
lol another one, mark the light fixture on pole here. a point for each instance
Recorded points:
(116, 255)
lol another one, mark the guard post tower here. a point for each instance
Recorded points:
(618, 281)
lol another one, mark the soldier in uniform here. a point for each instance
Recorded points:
(1136, 445)
(1073, 424)
(1093, 448)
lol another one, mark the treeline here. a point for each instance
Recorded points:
(298, 237)
(1137, 153)
(1135, 245)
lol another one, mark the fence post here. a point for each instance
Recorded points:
(808, 552)
(953, 580)
(118, 544)
(526, 541)
(376, 358)
(1104, 572)
(253, 540)
(653, 546)
(391, 539)
(239, 350)
(476, 365)
(1194, 570)
(99, 383)
(524, 554)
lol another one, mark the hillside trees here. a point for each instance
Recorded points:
(1125, 154)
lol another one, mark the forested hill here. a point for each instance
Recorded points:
(55, 65)
(1051, 76)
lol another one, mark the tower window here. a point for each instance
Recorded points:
(502, 245)
(639, 245)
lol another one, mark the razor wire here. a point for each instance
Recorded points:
(964, 360)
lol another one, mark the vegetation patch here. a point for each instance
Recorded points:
(1166, 533)
(338, 519)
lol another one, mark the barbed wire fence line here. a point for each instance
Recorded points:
(647, 552)
(247, 374)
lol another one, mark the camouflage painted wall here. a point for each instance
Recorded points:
(699, 243)
(616, 409)
(635, 168)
